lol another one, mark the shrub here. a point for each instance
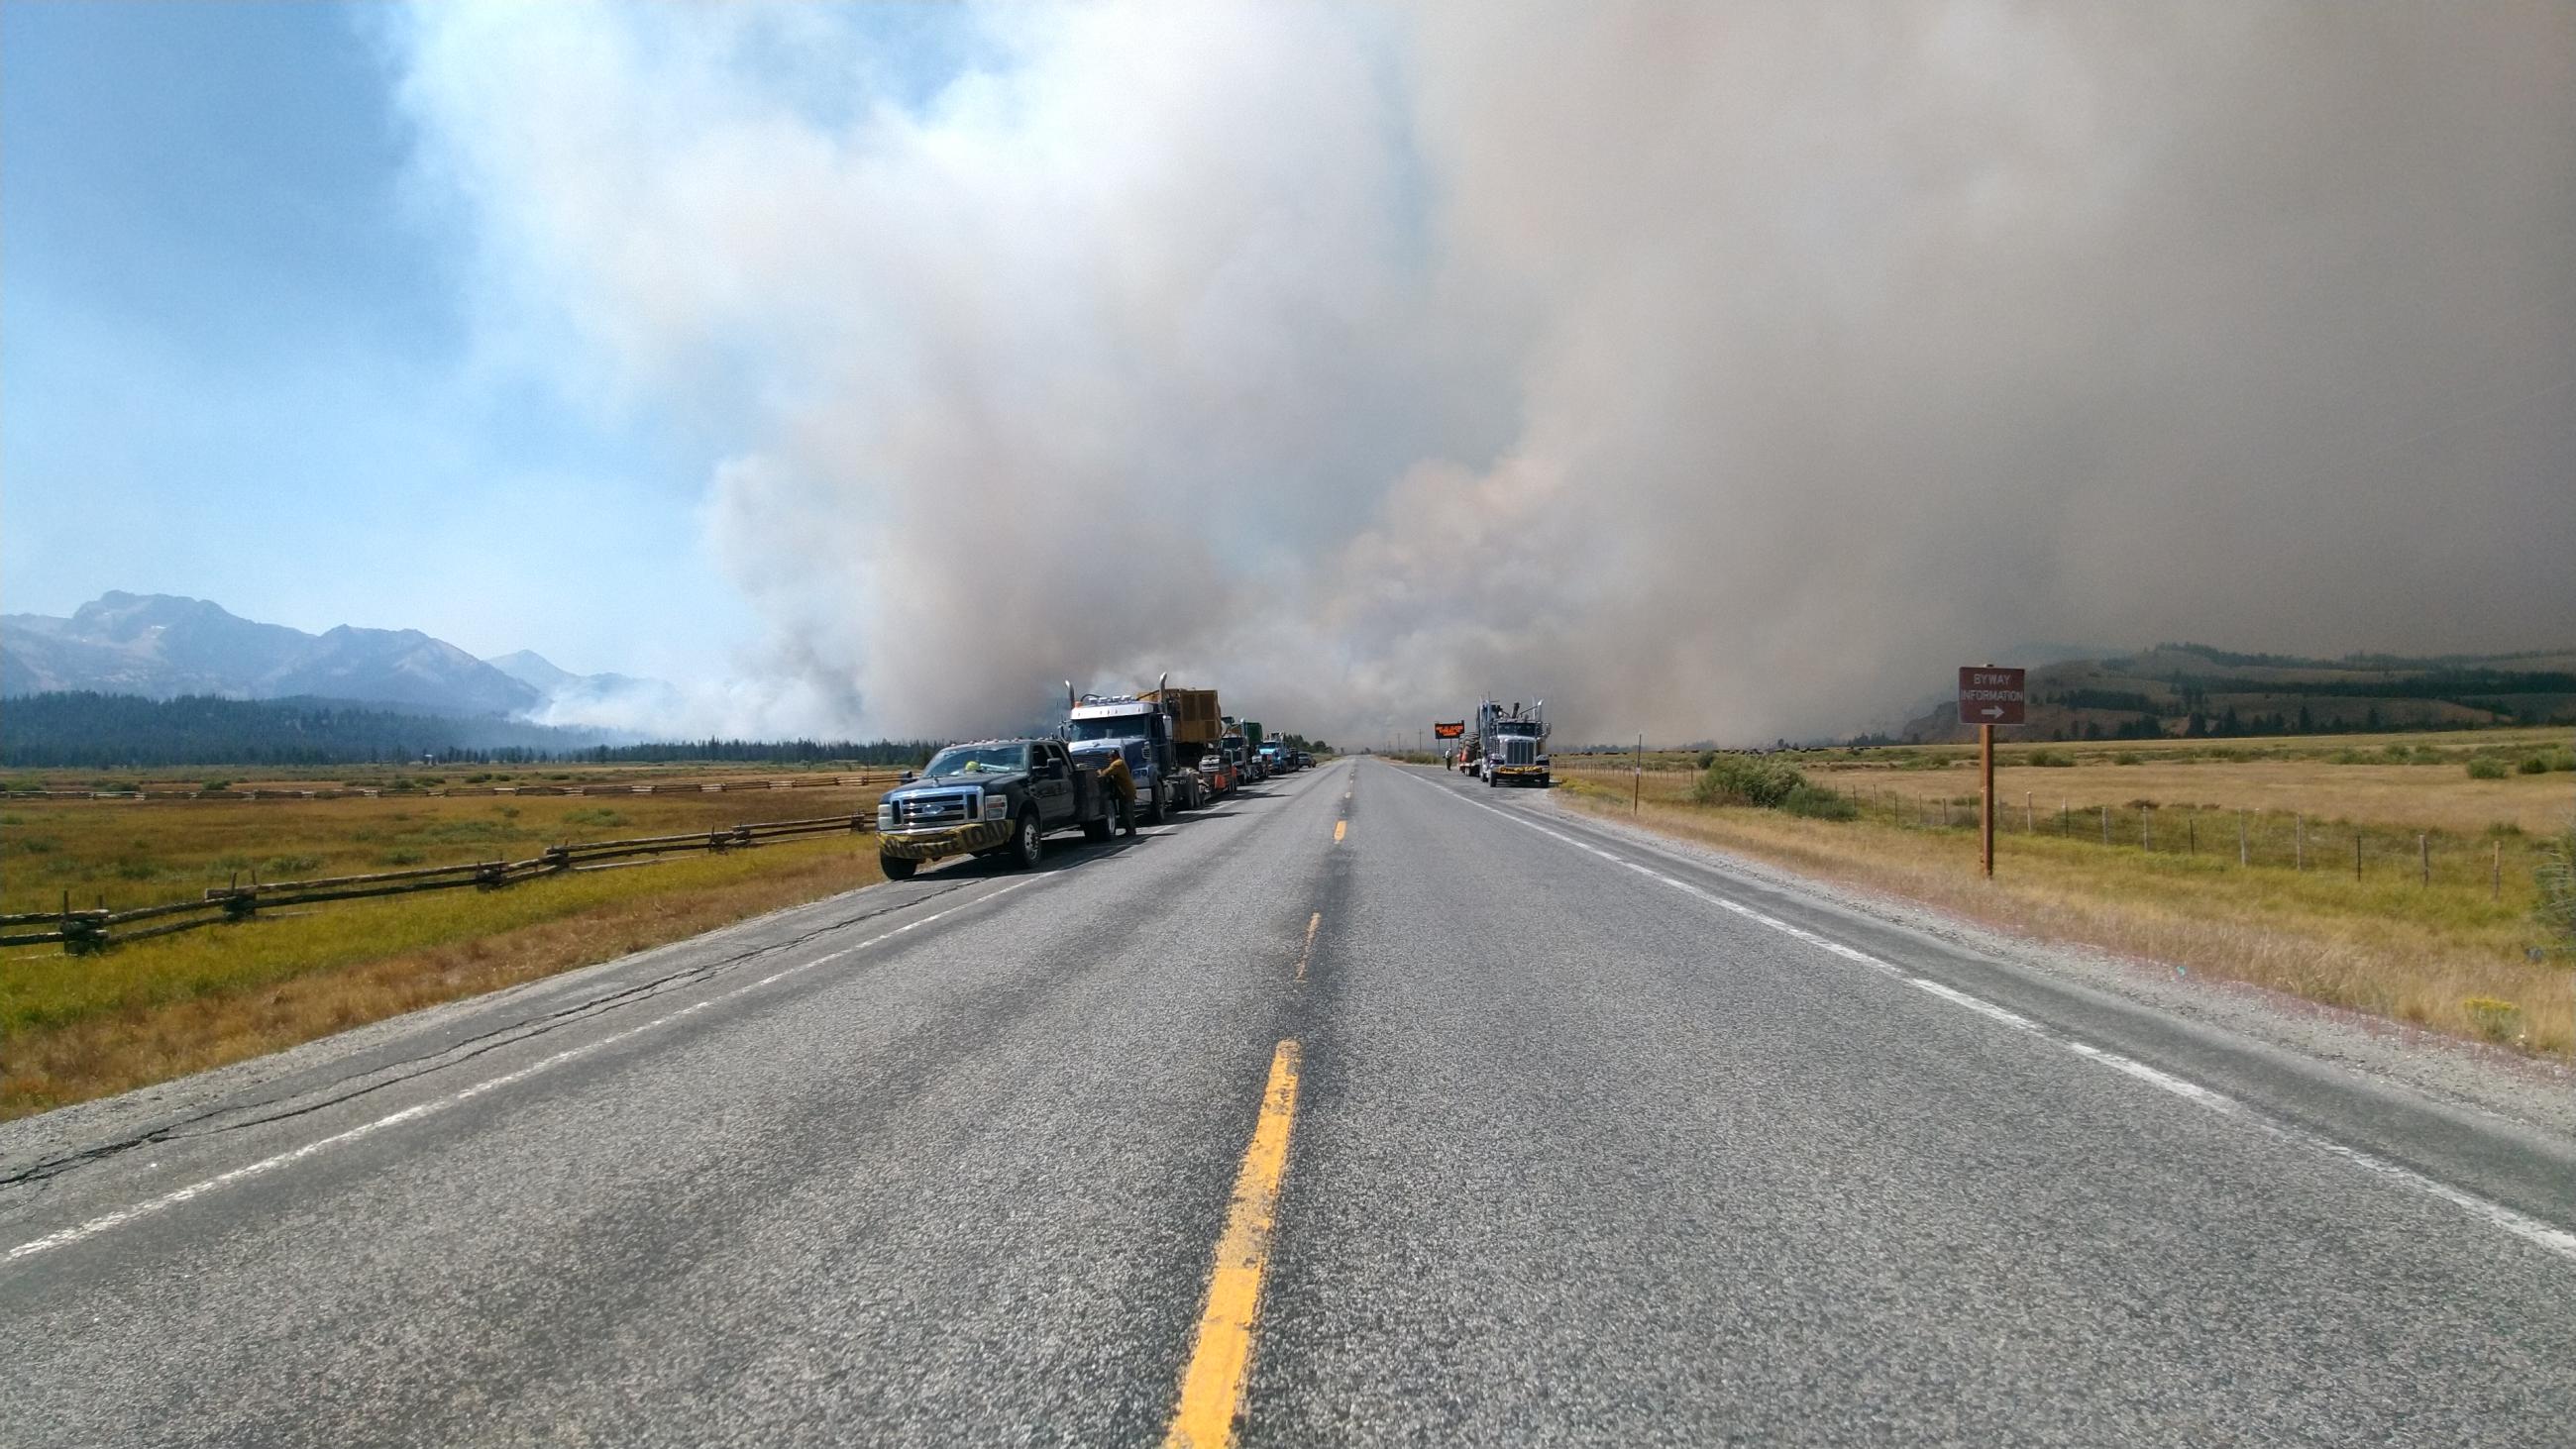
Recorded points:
(399, 857)
(2347, 757)
(1746, 780)
(216, 785)
(2125, 757)
(2494, 1018)
(1818, 804)
(1707, 758)
(2047, 759)
(2531, 765)
(2487, 768)
(593, 817)
(290, 864)
(2562, 760)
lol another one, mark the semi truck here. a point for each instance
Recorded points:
(1146, 731)
(1511, 744)
(1236, 746)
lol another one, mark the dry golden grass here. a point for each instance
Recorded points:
(81, 1026)
(2408, 797)
(2386, 945)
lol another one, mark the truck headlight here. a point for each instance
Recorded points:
(885, 816)
(996, 806)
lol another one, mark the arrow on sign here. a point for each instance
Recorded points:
(1992, 711)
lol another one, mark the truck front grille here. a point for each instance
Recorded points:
(946, 808)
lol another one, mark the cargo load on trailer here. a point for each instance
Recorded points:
(1198, 731)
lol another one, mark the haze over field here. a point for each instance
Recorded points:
(1703, 370)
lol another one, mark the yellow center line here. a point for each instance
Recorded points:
(1212, 1389)
(1312, 922)
(1338, 827)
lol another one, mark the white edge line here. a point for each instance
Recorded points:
(2553, 1239)
(104, 1221)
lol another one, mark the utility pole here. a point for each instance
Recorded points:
(1637, 780)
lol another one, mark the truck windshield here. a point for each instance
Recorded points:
(1120, 727)
(977, 759)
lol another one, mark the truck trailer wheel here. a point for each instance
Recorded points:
(1154, 810)
(1027, 848)
(896, 867)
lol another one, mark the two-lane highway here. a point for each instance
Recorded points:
(1376, 1106)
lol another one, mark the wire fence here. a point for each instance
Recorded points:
(84, 931)
(2247, 838)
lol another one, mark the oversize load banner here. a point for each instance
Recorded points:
(1441, 731)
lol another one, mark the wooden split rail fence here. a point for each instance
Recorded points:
(369, 792)
(95, 930)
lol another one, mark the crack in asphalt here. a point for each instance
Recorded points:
(466, 1049)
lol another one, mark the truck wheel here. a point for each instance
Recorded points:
(1027, 847)
(1155, 811)
(896, 867)
(1492, 781)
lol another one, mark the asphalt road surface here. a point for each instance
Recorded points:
(1517, 1131)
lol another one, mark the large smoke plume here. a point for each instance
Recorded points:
(1721, 371)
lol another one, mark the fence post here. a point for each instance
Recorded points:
(2495, 886)
(2241, 851)
(2424, 855)
(2300, 861)
(2146, 827)
(2190, 833)
(2027, 827)
(2106, 825)
(2356, 852)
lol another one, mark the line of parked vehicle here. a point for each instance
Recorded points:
(1117, 759)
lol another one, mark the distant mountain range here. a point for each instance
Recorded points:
(161, 646)
(2196, 690)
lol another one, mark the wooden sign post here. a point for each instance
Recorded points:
(1988, 697)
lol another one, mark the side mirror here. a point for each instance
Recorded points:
(906, 778)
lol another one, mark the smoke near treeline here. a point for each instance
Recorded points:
(1716, 371)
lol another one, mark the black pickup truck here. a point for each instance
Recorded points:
(998, 796)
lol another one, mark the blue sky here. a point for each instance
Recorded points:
(238, 357)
